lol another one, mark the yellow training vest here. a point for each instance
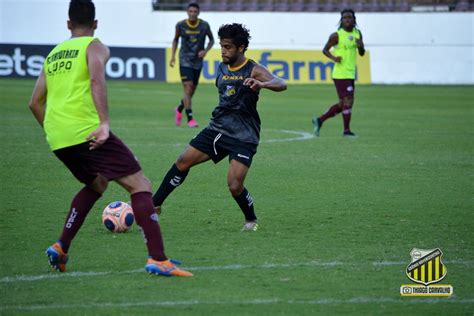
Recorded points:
(347, 49)
(70, 111)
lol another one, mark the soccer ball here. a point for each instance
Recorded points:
(118, 217)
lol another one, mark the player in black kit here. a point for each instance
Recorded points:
(234, 129)
(193, 32)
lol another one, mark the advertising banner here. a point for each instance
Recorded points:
(125, 63)
(295, 66)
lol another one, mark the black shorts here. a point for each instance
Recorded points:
(112, 160)
(218, 146)
(190, 74)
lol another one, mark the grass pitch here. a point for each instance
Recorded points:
(338, 217)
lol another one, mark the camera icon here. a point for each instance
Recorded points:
(407, 290)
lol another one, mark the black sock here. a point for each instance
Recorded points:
(189, 114)
(181, 107)
(173, 178)
(245, 202)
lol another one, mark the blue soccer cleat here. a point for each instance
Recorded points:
(57, 258)
(166, 268)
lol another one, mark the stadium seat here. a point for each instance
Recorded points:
(236, 5)
(297, 5)
(252, 5)
(221, 6)
(373, 6)
(345, 4)
(329, 6)
(313, 6)
(462, 5)
(281, 5)
(206, 5)
(403, 6)
(266, 5)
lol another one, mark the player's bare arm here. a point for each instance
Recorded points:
(262, 78)
(38, 99)
(360, 45)
(332, 41)
(174, 47)
(203, 52)
(97, 56)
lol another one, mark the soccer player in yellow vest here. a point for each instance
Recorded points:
(70, 102)
(347, 42)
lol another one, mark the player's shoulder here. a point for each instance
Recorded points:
(97, 47)
(97, 43)
(255, 67)
(203, 23)
(181, 22)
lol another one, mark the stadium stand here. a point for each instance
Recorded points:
(320, 5)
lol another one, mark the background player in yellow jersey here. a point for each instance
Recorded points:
(193, 32)
(347, 41)
(70, 102)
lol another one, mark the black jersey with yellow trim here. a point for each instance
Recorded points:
(193, 38)
(236, 115)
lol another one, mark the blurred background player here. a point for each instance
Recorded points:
(193, 32)
(70, 102)
(234, 129)
(347, 41)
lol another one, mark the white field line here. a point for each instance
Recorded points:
(269, 301)
(329, 264)
(300, 136)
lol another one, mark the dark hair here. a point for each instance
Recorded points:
(236, 32)
(347, 11)
(81, 13)
(194, 5)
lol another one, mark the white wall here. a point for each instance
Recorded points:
(433, 48)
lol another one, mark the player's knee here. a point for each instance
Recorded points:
(140, 184)
(347, 102)
(145, 184)
(100, 184)
(182, 164)
(188, 89)
(235, 187)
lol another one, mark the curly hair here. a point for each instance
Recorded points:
(238, 33)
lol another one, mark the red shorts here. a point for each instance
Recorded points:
(344, 87)
(112, 160)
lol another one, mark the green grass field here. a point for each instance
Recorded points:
(338, 217)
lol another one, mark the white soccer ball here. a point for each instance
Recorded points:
(118, 217)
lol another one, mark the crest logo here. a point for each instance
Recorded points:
(426, 266)
(350, 37)
(230, 90)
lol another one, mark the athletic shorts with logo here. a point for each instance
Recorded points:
(218, 146)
